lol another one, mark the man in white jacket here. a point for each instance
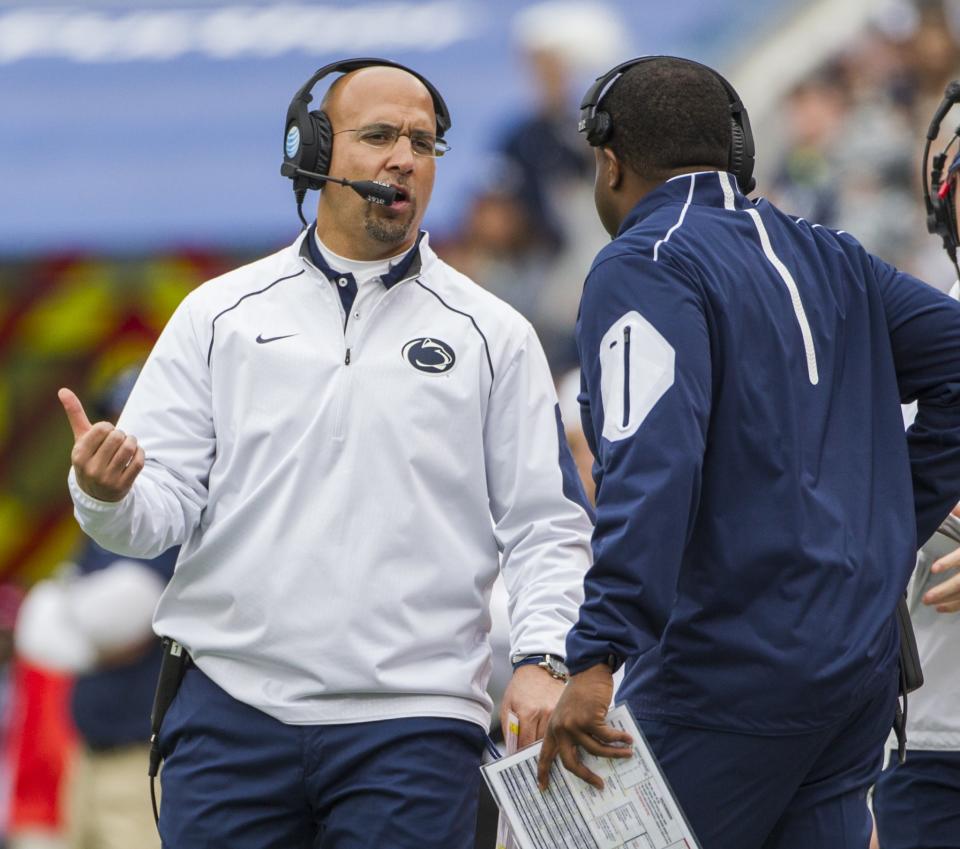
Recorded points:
(917, 803)
(347, 438)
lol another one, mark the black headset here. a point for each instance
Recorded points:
(938, 197)
(308, 135)
(598, 125)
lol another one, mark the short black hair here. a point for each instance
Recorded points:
(668, 113)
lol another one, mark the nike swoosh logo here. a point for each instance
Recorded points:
(261, 340)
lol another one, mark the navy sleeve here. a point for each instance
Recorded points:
(645, 359)
(924, 327)
(94, 557)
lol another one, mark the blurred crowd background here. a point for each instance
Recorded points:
(140, 151)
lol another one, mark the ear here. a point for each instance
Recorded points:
(612, 167)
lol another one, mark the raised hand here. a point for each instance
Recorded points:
(106, 460)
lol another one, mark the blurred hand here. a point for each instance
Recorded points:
(579, 719)
(945, 596)
(532, 695)
(106, 460)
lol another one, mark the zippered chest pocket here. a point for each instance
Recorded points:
(636, 369)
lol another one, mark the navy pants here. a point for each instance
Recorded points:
(803, 791)
(917, 803)
(235, 777)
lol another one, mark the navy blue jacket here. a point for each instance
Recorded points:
(758, 507)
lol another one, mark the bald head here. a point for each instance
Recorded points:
(351, 95)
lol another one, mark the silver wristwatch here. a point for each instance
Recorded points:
(551, 662)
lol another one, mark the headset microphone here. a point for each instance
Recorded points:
(370, 190)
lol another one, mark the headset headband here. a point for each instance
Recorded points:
(941, 204)
(598, 125)
(347, 65)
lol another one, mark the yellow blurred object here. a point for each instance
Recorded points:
(74, 316)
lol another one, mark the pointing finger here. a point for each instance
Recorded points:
(547, 754)
(79, 423)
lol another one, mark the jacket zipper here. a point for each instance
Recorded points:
(344, 394)
(349, 357)
(626, 376)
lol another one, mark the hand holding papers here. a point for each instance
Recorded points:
(634, 810)
(580, 720)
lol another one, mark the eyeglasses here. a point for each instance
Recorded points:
(386, 135)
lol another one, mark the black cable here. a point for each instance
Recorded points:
(172, 667)
(153, 800)
(300, 195)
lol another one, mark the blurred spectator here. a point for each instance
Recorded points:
(806, 176)
(851, 146)
(563, 43)
(543, 146)
(498, 246)
(94, 621)
(530, 233)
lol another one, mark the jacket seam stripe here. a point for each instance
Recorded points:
(486, 345)
(213, 322)
(683, 214)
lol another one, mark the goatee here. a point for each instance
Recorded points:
(385, 230)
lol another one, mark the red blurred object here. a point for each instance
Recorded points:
(42, 739)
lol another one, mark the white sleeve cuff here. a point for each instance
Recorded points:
(87, 503)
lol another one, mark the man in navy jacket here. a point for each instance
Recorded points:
(758, 507)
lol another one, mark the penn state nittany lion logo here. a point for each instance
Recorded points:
(429, 355)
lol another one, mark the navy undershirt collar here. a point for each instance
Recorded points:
(408, 264)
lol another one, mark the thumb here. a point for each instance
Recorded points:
(79, 423)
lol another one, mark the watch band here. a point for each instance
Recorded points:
(550, 662)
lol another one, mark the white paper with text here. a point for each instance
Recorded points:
(635, 810)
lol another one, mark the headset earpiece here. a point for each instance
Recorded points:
(601, 130)
(324, 135)
(941, 214)
(742, 151)
(604, 127)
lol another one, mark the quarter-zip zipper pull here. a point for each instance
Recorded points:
(346, 359)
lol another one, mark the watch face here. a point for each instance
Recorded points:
(555, 667)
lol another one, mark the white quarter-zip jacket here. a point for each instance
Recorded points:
(345, 494)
